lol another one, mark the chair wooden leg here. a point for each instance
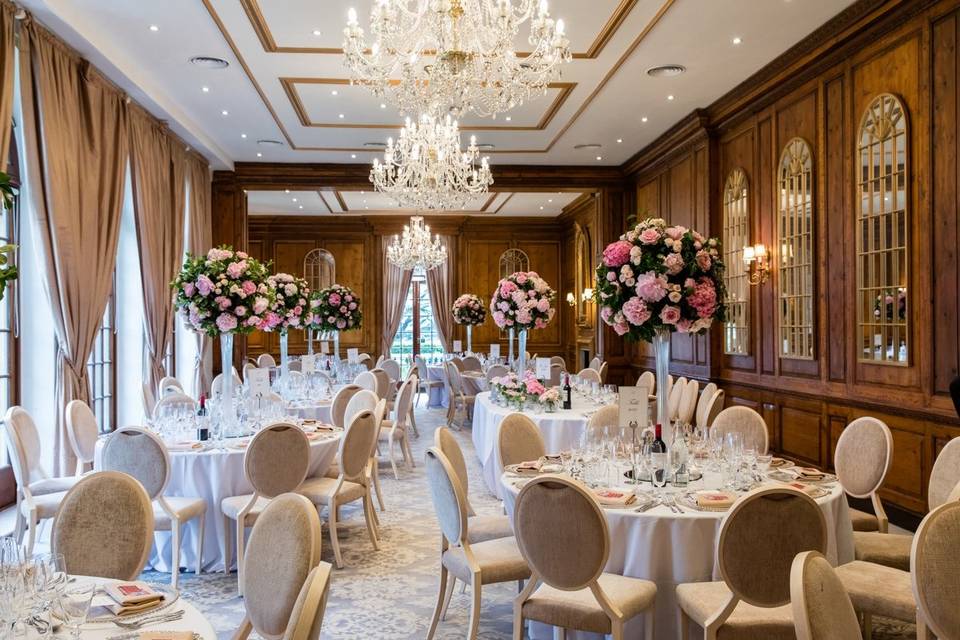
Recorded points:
(175, 526)
(451, 583)
(474, 608)
(334, 540)
(240, 545)
(413, 423)
(31, 532)
(684, 625)
(227, 525)
(867, 626)
(393, 462)
(617, 628)
(648, 625)
(409, 454)
(367, 508)
(20, 526)
(559, 633)
(517, 621)
(375, 474)
(201, 525)
(440, 606)
(244, 630)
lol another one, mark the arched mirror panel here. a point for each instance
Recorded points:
(736, 235)
(795, 277)
(319, 269)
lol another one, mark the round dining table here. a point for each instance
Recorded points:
(214, 474)
(674, 546)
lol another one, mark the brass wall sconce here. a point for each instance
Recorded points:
(755, 258)
(571, 300)
(587, 295)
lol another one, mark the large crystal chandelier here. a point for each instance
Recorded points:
(426, 168)
(416, 249)
(456, 56)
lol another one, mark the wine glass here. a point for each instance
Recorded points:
(75, 605)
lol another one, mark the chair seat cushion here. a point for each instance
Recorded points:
(320, 490)
(231, 507)
(483, 528)
(580, 609)
(879, 590)
(46, 504)
(888, 549)
(499, 560)
(184, 508)
(52, 485)
(701, 600)
(863, 521)
(386, 427)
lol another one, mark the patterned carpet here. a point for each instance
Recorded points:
(391, 593)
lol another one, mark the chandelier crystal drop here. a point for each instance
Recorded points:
(415, 248)
(456, 56)
(426, 168)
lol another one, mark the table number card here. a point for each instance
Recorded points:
(308, 363)
(457, 346)
(543, 368)
(633, 406)
(259, 381)
(324, 347)
(495, 351)
(353, 356)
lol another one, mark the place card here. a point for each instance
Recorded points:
(324, 347)
(259, 382)
(633, 406)
(543, 368)
(353, 356)
(495, 351)
(308, 363)
(457, 346)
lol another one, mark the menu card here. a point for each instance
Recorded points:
(308, 363)
(543, 368)
(324, 347)
(457, 346)
(353, 356)
(259, 382)
(495, 351)
(633, 406)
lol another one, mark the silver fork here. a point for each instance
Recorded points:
(155, 619)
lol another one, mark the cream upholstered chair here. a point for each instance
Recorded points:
(283, 549)
(363, 400)
(383, 383)
(596, 363)
(481, 528)
(352, 484)
(425, 384)
(591, 375)
(746, 421)
(275, 462)
(560, 361)
(247, 366)
(366, 380)
(935, 578)
(394, 430)
(380, 359)
(38, 495)
(862, 460)
(497, 371)
(104, 527)
(711, 410)
(458, 400)
(295, 366)
(266, 361)
(706, 395)
(173, 400)
(472, 363)
(673, 398)
(476, 564)
(82, 431)
(648, 380)
(605, 417)
(688, 402)
(365, 360)
(306, 618)
(142, 455)
(519, 440)
(457, 362)
(754, 554)
(392, 367)
(821, 607)
(556, 375)
(169, 384)
(338, 408)
(555, 515)
(603, 373)
(216, 387)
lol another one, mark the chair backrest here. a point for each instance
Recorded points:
(608, 416)
(589, 374)
(935, 570)
(266, 361)
(556, 373)
(173, 399)
(283, 548)
(444, 440)
(363, 400)
(216, 387)
(945, 474)
(449, 498)
(552, 516)
(648, 380)
(863, 456)
(746, 421)
(421, 367)
(595, 363)
(306, 619)
(457, 362)
(705, 397)
(756, 549)
(380, 359)
(401, 408)
(383, 382)
(392, 367)
(714, 407)
(339, 407)
(673, 398)
(366, 380)
(246, 369)
(139, 454)
(497, 371)
(472, 363)
(295, 375)
(454, 382)
(82, 430)
(688, 401)
(822, 609)
(560, 361)
(277, 459)
(356, 444)
(169, 384)
(23, 443)
(603, 372)
(519, 440)
(104, 527)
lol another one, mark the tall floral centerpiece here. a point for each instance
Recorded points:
(522, 301)
(469, 311)
(335, 309)
(656, 280)
(290, 310)
(223, 293)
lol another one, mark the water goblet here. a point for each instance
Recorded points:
(74, 604)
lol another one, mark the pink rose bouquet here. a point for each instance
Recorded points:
(469, 310)
(522, 301)
(290, 308)
(336, 308)
(225, 291)
(659, 277)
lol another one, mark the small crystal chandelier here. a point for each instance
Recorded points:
(416, 249)
(426, 169)
(456, 56)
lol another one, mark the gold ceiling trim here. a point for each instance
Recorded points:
(260, 26)
(290, 87)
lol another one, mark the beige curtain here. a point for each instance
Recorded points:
(75, 129)
(198, 241)
(440, 286)
(7, 22)
(396, 284)
(157, 163)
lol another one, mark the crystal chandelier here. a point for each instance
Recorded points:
(456, 56)
(426, 168)
(416, 249)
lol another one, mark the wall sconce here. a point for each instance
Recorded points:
(755, 258)
(587, 295)
(571, 300)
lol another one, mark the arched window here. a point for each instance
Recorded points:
(736, 235)
(795, 184)
(319, 269)
(883, 224)
(513, 260)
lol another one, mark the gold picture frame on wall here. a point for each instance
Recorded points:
(583, 277)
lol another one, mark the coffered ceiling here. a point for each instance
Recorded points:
(287, 86)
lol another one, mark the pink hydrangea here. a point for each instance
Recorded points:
(240, 311)
(617, 253)
(675, 233)
(507, 288)
(334, 299)
(635, 311)
(621, 328)
(651, 287)
(226, 322)
(703, 260)
(248, 287)
(543, 305)
(236, 269)
(703, 298)
(521, 278)
(189, 289)
(498, 318)
(674, 263)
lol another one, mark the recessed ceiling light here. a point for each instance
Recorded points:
(286, 190)
(383, 106)
(259, 155)
(541, 207)
(353, 155)
(737, 40)
(209, 62)
(294, 199)
(670, 97)
(363, 193)
(301, 206)
(591, 145)
(619, 140)
(509, 118)
(243, 135)
(205, 89)
(317, 32)
(334, 92)
(643, 119)
(340, 116)
(666, 70)
(154, 27)
(224, 113)
(549, 199)
(599, 157)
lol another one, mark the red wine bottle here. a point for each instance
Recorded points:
(567, 394)
(658, 446)
(203, 433)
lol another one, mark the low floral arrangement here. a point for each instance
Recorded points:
(657, 277)
(336, 308)
(225, 291)
(884, 305)
(550, 396)
(514, 390)
(522, 301)
(469, 310)
(289, 309)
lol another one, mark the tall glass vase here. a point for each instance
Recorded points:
(228, 406)
(469, 338)
(510, 348)
(661, 349)
(336, 345)
(284, 356)
(309, 341)
(521, 353)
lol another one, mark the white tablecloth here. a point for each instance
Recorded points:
(671, 549)
(561, 430)
(319, 410)
(438, 394)
(213, 476)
